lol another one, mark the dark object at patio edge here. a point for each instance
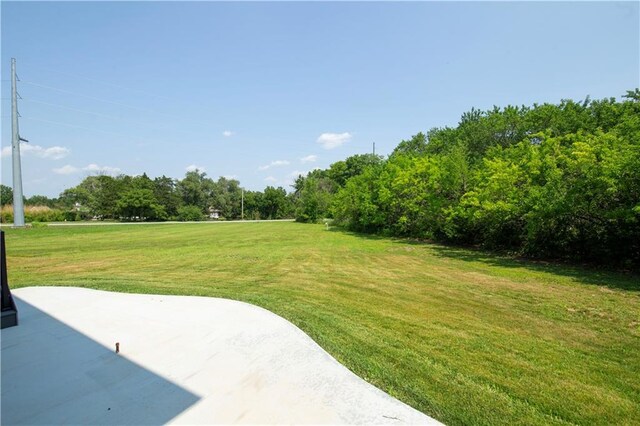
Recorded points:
(9, 310)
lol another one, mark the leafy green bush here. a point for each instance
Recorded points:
(140, 204)
(190, 213)
(552, 181)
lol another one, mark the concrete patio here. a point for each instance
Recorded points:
(182, 360)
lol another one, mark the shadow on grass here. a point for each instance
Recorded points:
(587, 274)
(365, 236)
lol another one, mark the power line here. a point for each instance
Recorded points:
(71, 109)
(90, 129)
(98, 114)
(57, 89)
(75, 126)
(107, 83)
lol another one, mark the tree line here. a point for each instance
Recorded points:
(547, 181)
(140, 198)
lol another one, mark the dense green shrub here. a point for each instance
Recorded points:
(551, 181)
(190, 213)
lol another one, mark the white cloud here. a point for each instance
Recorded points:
(53, 153)
(333, 140)
(66, 170)
(193, 168)
(276, 163)
(270, 179)
(309, 159)
(91, 168)
(107, 170)
(228, 133)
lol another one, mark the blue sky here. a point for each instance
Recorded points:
(261, 91)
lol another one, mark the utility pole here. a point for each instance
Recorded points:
(242, 206)
(18, 207)
(374, 148)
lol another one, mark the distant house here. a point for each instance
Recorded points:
(214, 213)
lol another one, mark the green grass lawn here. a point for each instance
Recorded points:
(463, 336)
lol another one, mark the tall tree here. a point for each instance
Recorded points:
(196, 189)
(166, 192)
(275, 204)
(139, 204)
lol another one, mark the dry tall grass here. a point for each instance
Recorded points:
(31, 214)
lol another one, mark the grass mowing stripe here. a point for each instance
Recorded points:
(464, 336)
